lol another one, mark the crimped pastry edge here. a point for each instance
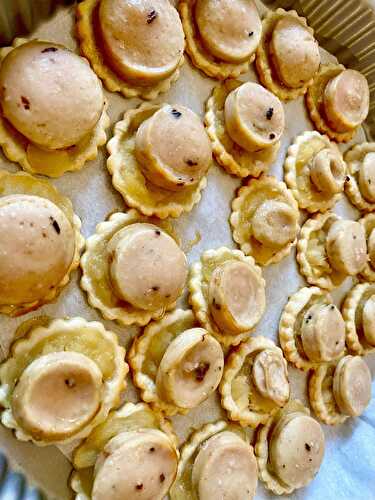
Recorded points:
(357, 153)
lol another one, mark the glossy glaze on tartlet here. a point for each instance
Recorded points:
(330, 249)
(228, 309)
(314, 170)
(311, 329)
(233, 157)
(288, 55)
(105, 269)
(230, 466)
(176, 364)
(129, 178)
(255, 382)
(218, 47)
(35, 220)
(131, 420)
(102, 33)
(47, 127)
(260, 201)
(333, 98)
(360, 160)
(42, 356)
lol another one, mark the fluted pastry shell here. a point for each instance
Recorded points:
(354, 158)
(368, 223)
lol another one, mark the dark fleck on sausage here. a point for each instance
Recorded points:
(151, 16)
(49, 49)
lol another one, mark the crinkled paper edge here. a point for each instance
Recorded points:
(357, 153)
(115, 160)
(198, 301)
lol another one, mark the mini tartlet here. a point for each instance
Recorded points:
(311, 329)
(127, 269)
(136, 48)
(289, 438)
(358, 310)
(61, 380)
(245, 123)
(314, 171)
(217, 461)
(288, 55)
(338, 101)
(265, 219)
(40, 242)
(49, 123)
(131, 454)
(340, 391)
(330, 249)
(227, 294)
(360, 182)
(216, 45)
(176, 364)
(255, 382)
(368, 223)
(159, 158)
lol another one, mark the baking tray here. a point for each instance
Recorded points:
(349, 465)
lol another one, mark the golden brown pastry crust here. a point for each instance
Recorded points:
(239, 397)
(368, 224)
(263, 62)
(352, 308)
(262, 189)
(23, 183)
(232, 157)
(95, 268)
(200, 275)
(53, 163)
(200, 57)
(314, 102)
(354, 157)
(297, 172)
(321, 396)
(127, 176)
(311, 252)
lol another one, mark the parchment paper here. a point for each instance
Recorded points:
(348, 470)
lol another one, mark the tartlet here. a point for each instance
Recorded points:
(330, 249)
(216, 462)
(227, 294)
(338, 101)
(49, 123)
(358, 312)
(368, 223)
(159, 158)
(314, 171)
(136, 48)
(339, 391)
(360, 182)
(288, 55)
(131, 454)
(255, 382)
(216, 45)
(176, 364)
(245, 123)
(61, 380)
(40, 242)
(311, 329)
(264, 220)
(127, 269)
(289, 438)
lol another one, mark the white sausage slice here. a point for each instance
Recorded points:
(236, 296)
(143, 40)
(148, 269)
(138, 465)
(275, 223)
(173, 148)
(225, 467)
(254, 117)
(57, 395)
(352, 385)
(327, 172)
(233, 42)
(323, 333)
(346, 247)
(270, 376)
(294, 52)
(366, 177)
(368, 320)
(191, 368)
(346, 100)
